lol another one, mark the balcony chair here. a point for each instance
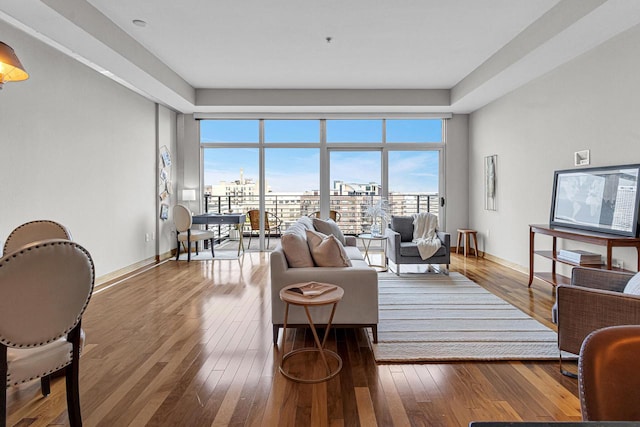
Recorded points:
(402, 250)
(334, 215)
(271, 223)
(34, 231)
(184, 233)
(609, 379)
(39, 329)
(594, 300)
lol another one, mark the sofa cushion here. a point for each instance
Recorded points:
(410, 249)
(353, 253)
(326, 250)
(306, 222)
(328, 227)
(633, 285)
(296, 250)
(404, 226)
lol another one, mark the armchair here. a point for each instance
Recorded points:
(401, 249)
(592, 301)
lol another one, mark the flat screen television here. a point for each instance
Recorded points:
(603, 199)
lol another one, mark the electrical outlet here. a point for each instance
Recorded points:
(146, 237)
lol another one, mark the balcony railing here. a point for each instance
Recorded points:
(352, 208)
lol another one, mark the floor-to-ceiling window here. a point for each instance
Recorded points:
(294, 167)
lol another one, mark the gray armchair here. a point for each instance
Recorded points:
(401, 249)
(592, 301)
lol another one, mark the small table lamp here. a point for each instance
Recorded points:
(188, 195)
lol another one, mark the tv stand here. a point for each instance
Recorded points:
(595, 238)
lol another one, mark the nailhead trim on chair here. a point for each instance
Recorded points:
(45, 243)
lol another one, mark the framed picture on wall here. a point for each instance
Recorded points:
(164, 212)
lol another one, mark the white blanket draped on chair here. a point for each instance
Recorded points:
(425, 225)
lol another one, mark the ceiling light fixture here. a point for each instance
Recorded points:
(328, 39)
(11, 70)
(139, 23)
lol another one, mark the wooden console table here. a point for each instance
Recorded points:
(595, 238)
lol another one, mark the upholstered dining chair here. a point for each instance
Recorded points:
(184, 233)
(608, 375)
(34, 231)
(40, 315)
(271, 224)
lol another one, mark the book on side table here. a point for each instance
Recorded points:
(580, 257)
(312, 289)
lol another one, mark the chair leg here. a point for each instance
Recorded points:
(73, 393)
(250, 235)
(189, 250)
(45, 385)
(276, 330)
(73, 380)
(213, 255)
(177, 249)
(397, 269)
(374, 331)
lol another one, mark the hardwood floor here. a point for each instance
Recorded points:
(190, 344)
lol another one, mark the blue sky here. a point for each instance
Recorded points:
(297, 170)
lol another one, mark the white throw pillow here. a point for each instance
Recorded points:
(327, 251)
(296, 250)
(328, 227)
(633, 285)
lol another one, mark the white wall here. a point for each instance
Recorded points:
(592, 103)
(79, 149)
(167, 137)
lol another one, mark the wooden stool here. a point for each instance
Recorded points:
(467, 234)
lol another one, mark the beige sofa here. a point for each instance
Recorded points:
(359, 306)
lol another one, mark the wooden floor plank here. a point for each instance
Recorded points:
(190, 344)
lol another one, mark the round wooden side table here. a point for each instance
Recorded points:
(289, 298)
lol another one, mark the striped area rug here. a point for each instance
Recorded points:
(432, 317)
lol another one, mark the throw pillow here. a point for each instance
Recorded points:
(296, 250)
(327, 251)
(633, 285)
(328, 227)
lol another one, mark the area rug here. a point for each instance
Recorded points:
(433, 317)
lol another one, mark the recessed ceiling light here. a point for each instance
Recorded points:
(139, 23)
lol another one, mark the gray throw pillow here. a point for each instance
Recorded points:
(329, 227)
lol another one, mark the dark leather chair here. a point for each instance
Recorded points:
(608, 374)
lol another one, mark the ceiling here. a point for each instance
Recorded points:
(274, 55)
